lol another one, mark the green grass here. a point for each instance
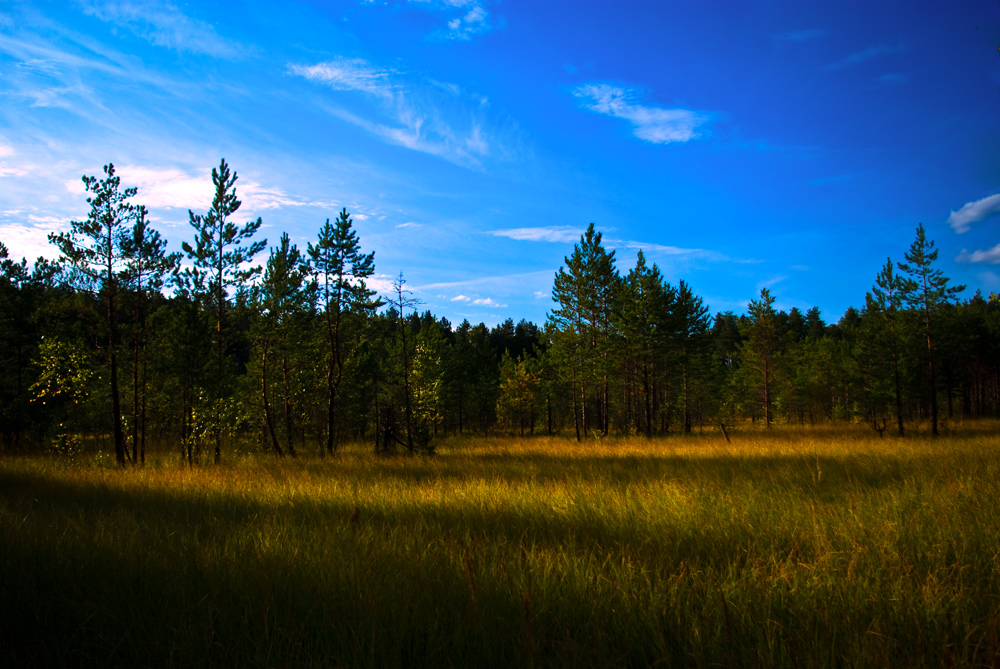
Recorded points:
(792, 548)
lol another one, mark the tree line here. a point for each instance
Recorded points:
(123, 343)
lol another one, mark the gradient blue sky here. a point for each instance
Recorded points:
(792, 145)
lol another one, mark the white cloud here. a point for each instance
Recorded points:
(488, 302)
(409, 225)
(568, 234)
(973, 212)
(31, 240)
(381, 283)
(348, 74)
(552, 233)
(541, 294)
(472, 18)
(652, 124)
(991, 256)
(661, 249)
(163, 24)
(419, 117)
(172, 188)
(460, 298)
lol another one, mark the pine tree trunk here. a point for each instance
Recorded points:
(267, 405)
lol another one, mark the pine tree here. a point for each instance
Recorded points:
(884, 304)
(585, 291)
(641, 323)
(282, 294)
(689, 325)
(926, 290)
(94, 248)
(147, 265)
(340, 270)
(220, 254)
(761, 345)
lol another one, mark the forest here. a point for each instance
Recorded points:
(126, 345)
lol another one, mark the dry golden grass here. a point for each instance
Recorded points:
(810, 547)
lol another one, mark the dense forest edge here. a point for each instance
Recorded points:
(122, 344)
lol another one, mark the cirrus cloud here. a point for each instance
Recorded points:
(656, 125)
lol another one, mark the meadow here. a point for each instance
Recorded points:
(790, 547)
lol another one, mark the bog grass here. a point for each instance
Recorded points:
(784, 548)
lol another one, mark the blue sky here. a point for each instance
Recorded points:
(740, 145)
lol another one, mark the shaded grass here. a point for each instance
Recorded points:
(793, 548)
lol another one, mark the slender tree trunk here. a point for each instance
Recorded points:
(406, 385)
(895, 376)
(267, 405)
(767, 392)
(576, 413)
(121, 451)
(548, 411)
(287, 403)
(933, 380)
(135, 400)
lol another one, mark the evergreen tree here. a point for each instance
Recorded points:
(220, 253)
(689, 325)
(641, 318)
(340, 269)
(760, 349)
(147, 266)
(884, 303)
(95, 249)
(926, 290)
(585, 291)
(282, 295)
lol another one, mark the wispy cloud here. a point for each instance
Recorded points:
(553, 233)
(505, 287)
(469, 18)
(652, 124)
(865, 55)
(672, 251)
(349, 74)
(568, 234)
(805, 35)
(973, 212)
(990, 256)
(164, 24)
(772, 281)
(417, 117)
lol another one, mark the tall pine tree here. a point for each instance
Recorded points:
(94, 248)
(340, 270)
(220, 254)
(926, 290)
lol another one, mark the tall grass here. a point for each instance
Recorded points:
(788, 548)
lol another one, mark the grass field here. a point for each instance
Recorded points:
(788, 548)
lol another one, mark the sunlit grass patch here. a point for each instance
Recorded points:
(786, 547)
